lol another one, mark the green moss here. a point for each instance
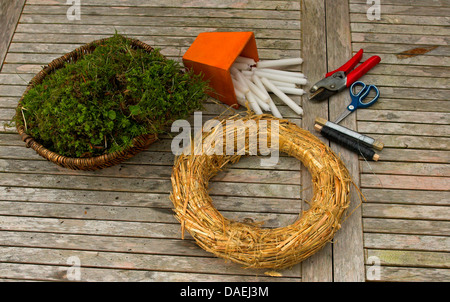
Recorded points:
(99, 103)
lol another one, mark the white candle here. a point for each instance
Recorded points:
(240, 86)
(253, 104)
(287, 100)
(281, 78)
(283, 84)
(247, 72)
(260, 85)
(282, 72)
(243, 82)
(253, 88)
(278, 63)
(242, 102)
(234, 72)
(274, 109)
(245, 60)
(239, 94)
(289, 90)
(263, 105)
(241, 66)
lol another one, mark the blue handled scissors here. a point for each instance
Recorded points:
(357, 99)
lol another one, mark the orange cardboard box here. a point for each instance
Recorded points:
(213, 53)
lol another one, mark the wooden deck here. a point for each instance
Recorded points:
(118, 221)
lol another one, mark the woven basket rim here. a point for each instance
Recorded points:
(139, 143)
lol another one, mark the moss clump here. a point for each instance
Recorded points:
(99, 103)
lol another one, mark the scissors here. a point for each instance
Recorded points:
(358, 98)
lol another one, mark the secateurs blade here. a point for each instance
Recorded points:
(343, 77)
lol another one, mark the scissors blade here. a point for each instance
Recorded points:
(343, 116)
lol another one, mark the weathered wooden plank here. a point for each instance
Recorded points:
(406, 226)
(86, 182)
(413, 93)
(8, 102)
(391, 48)
(157, 41)
(197, 12)
(407, 242)
(70, 196)
(155, 200)
(145, 171)
(407, 81)
(139, 245)
(409, 141)
(129, 261)
(91, 227)
(406, 211)
(137, 30)
(409, 10)
(403, 168)
(405, 182)
(164, 21)
(146, 157)
(404, 128)
(404, 116)
(411, 258)
(348, 257)
(407, 2)
(12, 90)
(272, 5)
(430, 60)
(21, 51)
(406, 70)
(414, 155)
(319, 266)
(78, 224)
(124, 213)
(10, 11)
(143, 185)
(375, 27)
(21, 68)
(407, 196)
(401, 19)
(400, 38)
(15, 79)
(416, 105)
(59, 273)
(168, 50)
(413, 274)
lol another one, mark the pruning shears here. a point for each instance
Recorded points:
(343, 77)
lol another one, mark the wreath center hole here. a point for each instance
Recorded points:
(269, 197)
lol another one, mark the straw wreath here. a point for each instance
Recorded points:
(247, 243)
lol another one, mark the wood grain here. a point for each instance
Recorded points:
(319, 266)
(10, 11)
(348, 256)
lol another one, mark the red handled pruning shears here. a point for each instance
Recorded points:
(343, 77)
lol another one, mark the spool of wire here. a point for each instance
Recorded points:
(348, 142)
(367, 140)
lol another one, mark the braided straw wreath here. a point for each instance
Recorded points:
(249, 244)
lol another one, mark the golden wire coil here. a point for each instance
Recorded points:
(248, 244)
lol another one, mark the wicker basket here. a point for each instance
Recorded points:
(139, 144)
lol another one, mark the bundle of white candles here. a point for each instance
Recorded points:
(254, 80)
